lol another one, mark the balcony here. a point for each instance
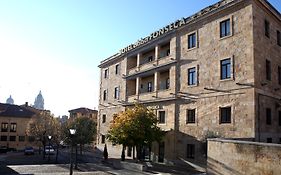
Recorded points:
(153, 58)
(150, 87)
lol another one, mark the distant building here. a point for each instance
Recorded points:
(10, 100)
(63, 119)
(14, 122)
(83, 112)
(39, 102)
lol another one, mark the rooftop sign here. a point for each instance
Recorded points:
(155, 34)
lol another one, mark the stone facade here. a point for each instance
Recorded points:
(83, 112)
(230, 157)
(15, 121)
(183, 73)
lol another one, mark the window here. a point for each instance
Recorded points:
(225, 28)
(279, 118)
(114, 116)
(149, 87)
(129, 151)
(191, 76)
(190, 151)
(190, 118)
(13, 127)
(278, 38)
(167, 83)
(102, 138)
(279, 75)
(164, 53)
(106, 71)
(21, 138)
(267, 28)
(4, 138)
(116, 93)
(162, 117)
(167, 52)
(150, 58)
(269, 140)
(105, 95)
(268, 116)
(117, 67)
(12, 138)
(225, 115)
(192, 40)
(31, 138)
(4, 127)
(103, 118)
(268, 69)
(225, 69)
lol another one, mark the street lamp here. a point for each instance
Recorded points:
(72, 133)
(49, 138)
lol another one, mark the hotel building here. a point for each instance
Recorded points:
(216, 73)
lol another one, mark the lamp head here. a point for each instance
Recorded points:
(72, 131)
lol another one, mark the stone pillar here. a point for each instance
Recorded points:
(173, 46)
(125, 70)
(138, 86)
(138, 59)
(156, 81)
(157, 49)
(172, 77)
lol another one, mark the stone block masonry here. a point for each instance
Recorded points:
(233, 157)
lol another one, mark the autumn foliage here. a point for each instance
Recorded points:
(135, 126)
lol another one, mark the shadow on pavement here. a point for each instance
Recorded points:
(4, 169)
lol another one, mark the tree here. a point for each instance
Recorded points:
(85, 133)
(42, 125)
(135, 126)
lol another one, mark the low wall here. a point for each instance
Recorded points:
(233, 157)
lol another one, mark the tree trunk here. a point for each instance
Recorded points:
(138, 152)
(81, 148)
(134, 153)
(76, 157)
(44, 151)
(57, 154)
(123, 153)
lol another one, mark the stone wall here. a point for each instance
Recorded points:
(233, 157)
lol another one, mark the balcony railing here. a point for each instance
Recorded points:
(151, 65)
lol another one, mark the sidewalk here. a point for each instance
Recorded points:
(90, 156)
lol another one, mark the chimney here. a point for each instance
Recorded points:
(26, 104)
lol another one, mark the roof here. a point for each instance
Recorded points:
(206, 11)
(8, 110)
(82, 110)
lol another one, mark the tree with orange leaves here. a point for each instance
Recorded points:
(135, 126)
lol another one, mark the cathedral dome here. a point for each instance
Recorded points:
(10, 100)
(39, 101)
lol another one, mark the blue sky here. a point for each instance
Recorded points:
(56, 45)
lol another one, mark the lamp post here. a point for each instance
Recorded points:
(49, 138)
(72, 133)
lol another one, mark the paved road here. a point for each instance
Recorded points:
(88, 163)
(17, 163)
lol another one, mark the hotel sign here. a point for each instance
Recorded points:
(154, 35)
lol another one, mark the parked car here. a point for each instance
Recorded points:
(28, 150)
(3, 149)
(49, 150)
